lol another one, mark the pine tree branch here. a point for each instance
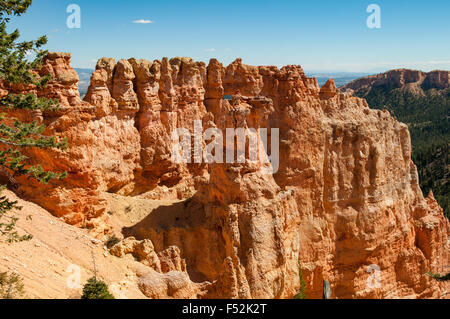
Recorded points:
(16, 144)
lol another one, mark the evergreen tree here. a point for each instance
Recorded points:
(17, 136)
(96, 289)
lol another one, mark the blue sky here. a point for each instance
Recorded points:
(326, 35)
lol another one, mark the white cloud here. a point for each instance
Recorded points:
(143, 21)
(210, 50)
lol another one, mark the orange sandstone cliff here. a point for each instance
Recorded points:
(345, 203)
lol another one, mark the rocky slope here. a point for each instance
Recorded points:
(345, 200)
(51, 262)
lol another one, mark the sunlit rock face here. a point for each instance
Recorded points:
(344, 203)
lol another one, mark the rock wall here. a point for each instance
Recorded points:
(344, 204)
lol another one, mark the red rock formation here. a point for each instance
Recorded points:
(345, 197)
(413, 80)
(329, 90)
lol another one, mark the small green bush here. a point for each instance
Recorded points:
(302, 292)
(112, 241)
(96, 289)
